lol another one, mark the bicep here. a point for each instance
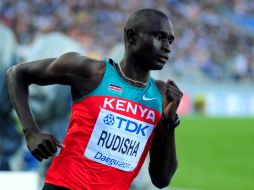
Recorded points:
(63, 70)
(40, 72)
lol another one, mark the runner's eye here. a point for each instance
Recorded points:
(170, 41)
(158, 36)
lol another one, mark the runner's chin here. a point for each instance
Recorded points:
(159, 63)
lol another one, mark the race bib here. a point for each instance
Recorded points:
(118, 140)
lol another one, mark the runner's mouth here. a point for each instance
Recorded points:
(162, 58)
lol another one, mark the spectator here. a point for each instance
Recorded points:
(10, 137)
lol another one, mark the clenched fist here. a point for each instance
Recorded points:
(173, 99)
(42, 145)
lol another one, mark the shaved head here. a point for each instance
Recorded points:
(144, 20)
(141, 18)
(148, 36)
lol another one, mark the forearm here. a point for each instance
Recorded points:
(19, 77)
(18, 91)
(163, 160)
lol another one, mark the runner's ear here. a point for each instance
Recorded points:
(131, 36)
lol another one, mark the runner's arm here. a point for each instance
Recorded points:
(163, 159)
(67, 69)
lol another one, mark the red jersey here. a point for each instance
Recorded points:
(109, 135)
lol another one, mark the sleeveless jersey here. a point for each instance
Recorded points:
(109, 135)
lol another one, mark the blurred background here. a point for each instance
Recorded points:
(212, 62)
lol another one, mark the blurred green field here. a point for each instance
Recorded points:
(215, 154)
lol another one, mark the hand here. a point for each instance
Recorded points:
(42, 145)
(173, 99)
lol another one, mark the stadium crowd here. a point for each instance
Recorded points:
(214, 42)
(213, 38)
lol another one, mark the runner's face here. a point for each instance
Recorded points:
(154, 43)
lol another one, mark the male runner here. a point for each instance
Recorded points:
(119, 112)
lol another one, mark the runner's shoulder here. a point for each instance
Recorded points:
(78, 63)
(161, 85)
(75, 57)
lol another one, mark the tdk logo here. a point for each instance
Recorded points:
(131, 126)
(127, 125)
(109, 120)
